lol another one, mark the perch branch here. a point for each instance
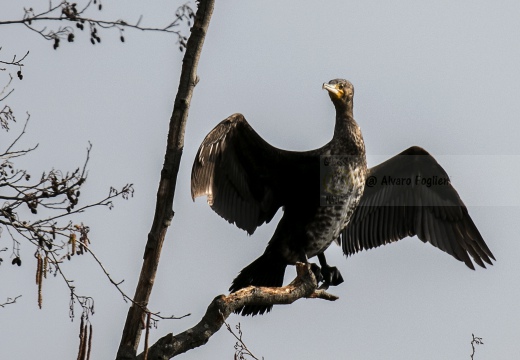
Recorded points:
(303, 286)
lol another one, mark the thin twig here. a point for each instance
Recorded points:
(19, 136)
(125, 296)
(14, 61)
(475, 341)
(10, 301)
(68, 12)
(241, 348)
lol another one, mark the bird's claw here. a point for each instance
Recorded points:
(332, 275)
(327, 275)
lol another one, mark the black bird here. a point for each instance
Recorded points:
(328, 194)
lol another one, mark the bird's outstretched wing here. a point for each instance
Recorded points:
(241, 174)
(411, 194)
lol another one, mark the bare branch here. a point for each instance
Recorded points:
(6, 113)
(69, 12)
(5, 88)
(14, 62)
(125, 296)
(57, 193)
(303, 286)
(10, 301)
(475, 341)
(7, 154)
(165, 194)
(241, 349)
(86, 302)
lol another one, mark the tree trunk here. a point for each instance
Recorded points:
(165, 194)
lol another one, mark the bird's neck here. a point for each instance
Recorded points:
(347, 135)
(344, 113)
(345, 123)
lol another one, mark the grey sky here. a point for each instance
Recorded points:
(443, 75)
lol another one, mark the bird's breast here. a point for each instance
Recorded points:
(341, 188)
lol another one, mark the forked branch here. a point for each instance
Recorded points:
(303, 286)
(71, 13)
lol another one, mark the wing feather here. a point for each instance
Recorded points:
(435, 213)
(242, 175)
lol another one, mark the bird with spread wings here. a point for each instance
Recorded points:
(328, 194)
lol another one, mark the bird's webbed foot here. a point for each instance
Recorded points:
(317, 272)
(324, 274)
(330, 274)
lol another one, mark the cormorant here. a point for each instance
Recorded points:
(328, 194)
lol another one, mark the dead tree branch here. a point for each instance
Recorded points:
(165, 194)
(303, 286)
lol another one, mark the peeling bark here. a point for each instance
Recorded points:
(303, 286)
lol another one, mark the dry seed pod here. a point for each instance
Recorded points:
(40, 298)
(39, 278)
(38, 268)
(45, 266)
(72, 241)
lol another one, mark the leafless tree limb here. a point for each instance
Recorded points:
(6, 113)
(165, 194)
(10, 301)
(241, 349)
(17, 63)
(127, 298)
(7, 154)
(475, 341)
(14, 62)
(69, 12)
(303, 286)
(57, 194)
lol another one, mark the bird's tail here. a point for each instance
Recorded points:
(268, 270)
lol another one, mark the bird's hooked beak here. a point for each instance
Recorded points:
(334, 90)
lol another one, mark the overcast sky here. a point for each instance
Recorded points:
(443, 75)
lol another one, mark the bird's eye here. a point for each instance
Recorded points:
(340, 86)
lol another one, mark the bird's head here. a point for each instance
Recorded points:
(341, 93)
